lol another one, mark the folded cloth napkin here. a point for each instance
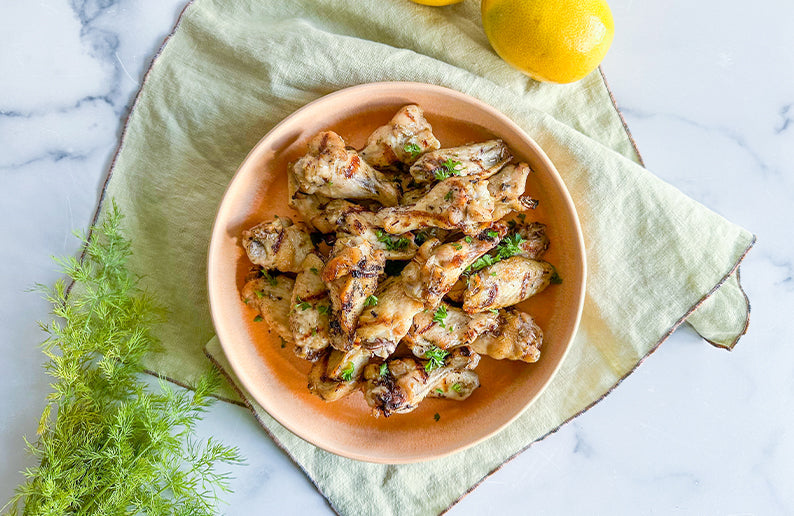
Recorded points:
(233, 69)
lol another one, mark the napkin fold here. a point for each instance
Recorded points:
(231, 70)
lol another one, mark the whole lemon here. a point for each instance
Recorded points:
(436, 2)
(550, 40)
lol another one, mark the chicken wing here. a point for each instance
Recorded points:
(310, 309)
(534, 241)
(278, 244)
(506, 283)
(331, 169)
(351, 275)
(457, 385)
(402, 140)
(336, 374)
(438, 267)
(447, 328)
(383, 324)
(400, 384)
(507, 188)
(477, 159)
(455, 203)
(270, 295)
(517, 337)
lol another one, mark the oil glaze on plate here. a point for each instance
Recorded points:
(277, 380)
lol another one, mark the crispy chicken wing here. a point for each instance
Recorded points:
(336, 374)
(402, 140)
(447, 328)
(438, 267)
(331, 169)
(506, 283)
(534, 241)
(404, 382)
(477, 159)
(278, 244)
(310, 309)
(271, 295)
(517, 337)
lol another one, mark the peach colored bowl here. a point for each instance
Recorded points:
(277, 379)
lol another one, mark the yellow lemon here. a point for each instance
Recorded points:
(550, 40)
(436, 2)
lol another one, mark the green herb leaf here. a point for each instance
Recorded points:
(371, 301)
(323, 309)
(436, 416)
(468, 239)
(555, 278)
(509, 246)
(392, 244)
(493, 234)
(440, 391)
(457, 388)
(108, 441)
(258, 318)
(303, 305)
(448, 197)
(440, 314)
(413, 149)
(447, 169)
(270, 279)
(494, 311)
(314, 332)
(384, 370)
(457, 246)
(314, 270)
(435, 358)
(347, 372)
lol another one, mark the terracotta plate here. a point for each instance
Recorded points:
(277, 379)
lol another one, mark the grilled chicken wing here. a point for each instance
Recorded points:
(457, 385)
(506, 283)
(271, 296)
(352, 276)
(517, 337)
(447, 328)
(310, 309)
(402, 140)
(455, 203)
(507, 188)
(383, 325)
(477, 159)
(336, 374)
(331, 169)
(438, 267)
(407, 381)
(534, 240)
(278, 244)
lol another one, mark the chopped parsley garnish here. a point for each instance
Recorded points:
(270, 279)
(303, 305)
(314, 332)
(481, 262)
(448, 196)
(509, 246)
(439, 315)
(384, 370)
(391, 244)
(314, 270)
(494, 311)
(436, 416)
(440, 391)
(555, 278)
(468, 239)
(493, 234)
(447, 169)
(420, 238)
(259, 293)
(457, 246)
(324, 309)
(245, 300)
(258, 318)
(413, 149)
(371, 301)
(347, 372)
(493, 274)
(457, 388)
(435, 358)
(522, 216)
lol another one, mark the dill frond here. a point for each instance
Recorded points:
(106, 443)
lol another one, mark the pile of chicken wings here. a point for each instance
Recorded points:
(402, 244)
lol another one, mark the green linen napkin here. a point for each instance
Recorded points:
(233, 69)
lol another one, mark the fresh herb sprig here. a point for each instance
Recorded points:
(392, 244)
(448, 169)
(435, 358)
(108, 444)
(508, 247)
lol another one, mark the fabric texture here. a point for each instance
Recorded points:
(233, 69)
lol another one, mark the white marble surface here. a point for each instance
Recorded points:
(708, 90)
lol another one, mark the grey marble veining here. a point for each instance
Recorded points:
(707, 90)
